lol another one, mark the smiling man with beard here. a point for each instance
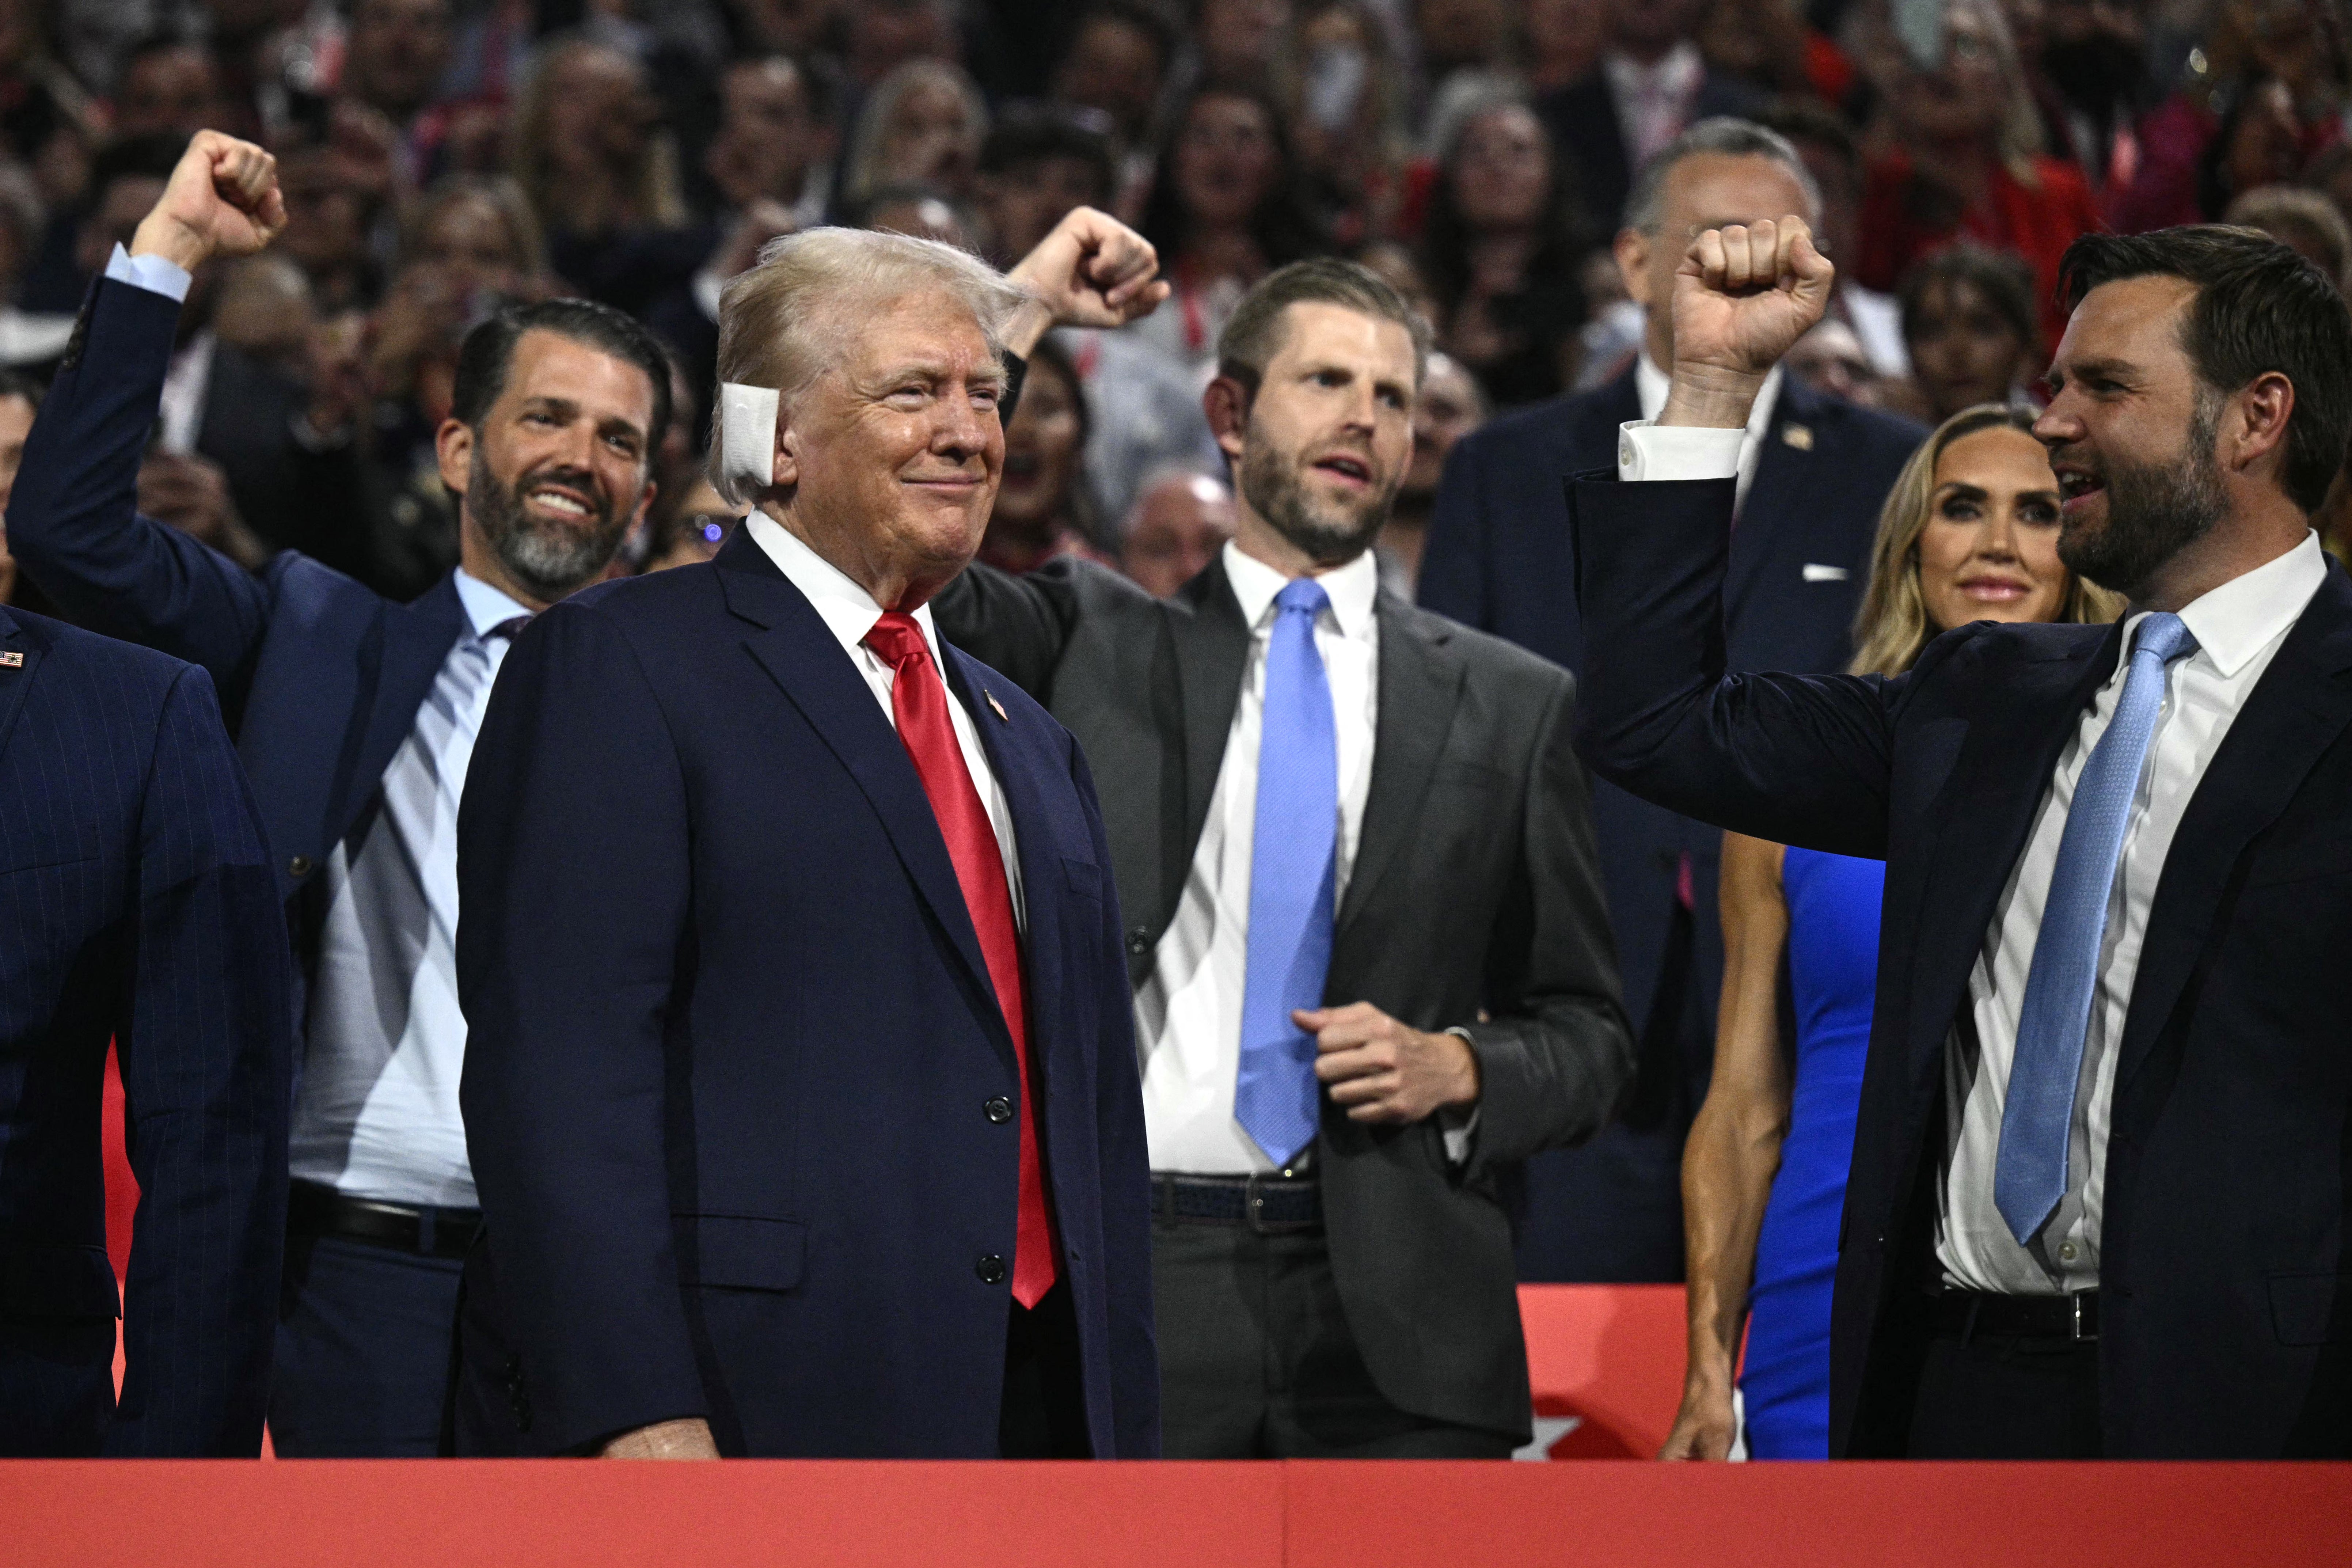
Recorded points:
(1364, 925)
(2096, 1208)
(355, 717)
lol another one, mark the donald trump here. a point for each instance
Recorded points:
(802, 1091)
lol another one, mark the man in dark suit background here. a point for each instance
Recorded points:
(1813, 473)
(1650, 86)
(802, 1086)
(2099, 1182)
(355, 719)
(136, 905)
(1323, 800)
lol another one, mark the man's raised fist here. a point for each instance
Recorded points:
(222, 200)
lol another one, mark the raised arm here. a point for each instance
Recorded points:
(1733, 1149)
(1794, 759)
(73, 518)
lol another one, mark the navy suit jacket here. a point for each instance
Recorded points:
(733, 1047)
(136, 906)
(1582, 120)
(1498, 557)
(2226, 1309)
(319, 678)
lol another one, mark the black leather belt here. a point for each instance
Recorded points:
(314, 1210)
(1971, 1314)
(1271, 1204)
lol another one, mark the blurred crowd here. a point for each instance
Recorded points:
(443, 157)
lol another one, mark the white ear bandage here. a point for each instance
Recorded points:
(747, 425)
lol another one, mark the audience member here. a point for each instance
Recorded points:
(1179, 521)
(1971, 328)
(1311, 1076)
(1044, 508)
(1822, 138)
(598, 171)
(2304, 221)
(1117, 64)
(773, 143)
(168, 83)
(1813, 471)
(1561, 41)
(1500, 249)
(923, 124)
(1651, 84)
(1968, 160)
(2108, 1038)
(1448, 408)
(1349, 126)
(1041, 162)
(1969, 533)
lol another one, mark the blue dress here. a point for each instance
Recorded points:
(1833, 978)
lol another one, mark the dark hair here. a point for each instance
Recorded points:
(1136, 18)
(1802, 119)
(1254, 336)
(1029, 133)
(16, 383)
(1284, 225)
(2259, 308)
(2005, 282)
(487, 351)
(150, 155)
(1081, 505)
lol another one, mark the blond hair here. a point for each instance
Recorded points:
(788, 320)
(1893, 626)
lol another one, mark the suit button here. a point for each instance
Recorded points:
(999, 1109)
(1138, 942)
(298, 867)
(991, 1268)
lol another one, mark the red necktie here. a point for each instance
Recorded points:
(918, 702)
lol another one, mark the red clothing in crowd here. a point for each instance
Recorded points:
(2036, 222)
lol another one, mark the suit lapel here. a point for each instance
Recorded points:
(1986, 811)
(2293, 714)
(801, 655)
(1783, 473)
(1213, 645)
(15, 677)
(1420, 682)
(418, 638)
(1042, 877)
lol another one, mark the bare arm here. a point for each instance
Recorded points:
(1734, 1148)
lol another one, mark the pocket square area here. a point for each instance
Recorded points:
(1817, 573)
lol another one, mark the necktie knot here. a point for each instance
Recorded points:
(2166, 636)
(1303, 596)
(897, 640)
(509, 628)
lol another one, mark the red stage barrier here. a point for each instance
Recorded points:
(1300, 1515)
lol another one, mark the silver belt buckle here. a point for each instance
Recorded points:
(2074, 1304)
(1253, 1206)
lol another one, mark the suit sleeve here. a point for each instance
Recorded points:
(207, 1050)
(1018, 625)
(1453, 558)
(1558, 1054)
(573, 884)
(1126, 1169)
(73, 518)
(1801, 759)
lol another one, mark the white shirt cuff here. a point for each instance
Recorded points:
(152, 273)
(1650, 451)
(1455, 1124)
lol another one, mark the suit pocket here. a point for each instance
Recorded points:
(57, 1281)
(2304, 863)
(1084, 877)
(47, 863)
(741, 1252)
(2310, 1309)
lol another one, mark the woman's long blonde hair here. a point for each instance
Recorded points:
(1893, 626)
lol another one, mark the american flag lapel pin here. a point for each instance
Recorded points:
(16, 661)
(994, 705)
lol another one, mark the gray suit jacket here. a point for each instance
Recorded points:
(1474, 901)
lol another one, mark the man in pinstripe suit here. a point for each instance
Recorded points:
(136, 904)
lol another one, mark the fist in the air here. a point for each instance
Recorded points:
(1743, 296)
(222, 200)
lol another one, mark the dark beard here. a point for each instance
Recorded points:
(549, 559)
(1271, 484)
(2155, 510)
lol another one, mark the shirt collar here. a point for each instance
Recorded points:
(1351, 589)
(1651, 385)
(2245, 614)
(486, 607)
(1677, 70)
(847, 610)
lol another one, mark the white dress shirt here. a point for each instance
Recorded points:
(2239, 628)
(1189, 1013)
(1653, 101)
(1651, 385)
(377, 1116)
(849, 612)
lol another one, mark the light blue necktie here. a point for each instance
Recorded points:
(1294, 862)
(2030, 1173)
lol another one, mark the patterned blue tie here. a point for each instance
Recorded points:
(2030, 1173)
(1294, 862)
